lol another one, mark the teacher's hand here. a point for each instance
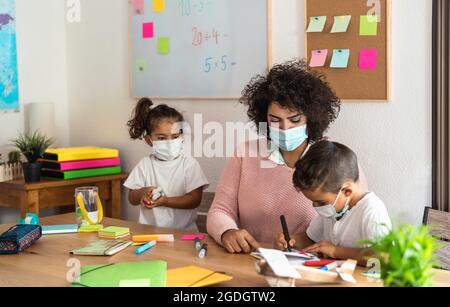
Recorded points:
(238, 241)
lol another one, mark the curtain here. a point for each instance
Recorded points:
(441, 105)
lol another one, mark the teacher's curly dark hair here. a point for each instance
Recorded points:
(294, 86)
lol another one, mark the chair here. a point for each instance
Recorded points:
(439, 223)
(202, 213)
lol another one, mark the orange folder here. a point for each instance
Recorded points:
(193, 276)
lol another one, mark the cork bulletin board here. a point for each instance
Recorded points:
(352, 83)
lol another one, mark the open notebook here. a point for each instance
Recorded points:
(102, 248)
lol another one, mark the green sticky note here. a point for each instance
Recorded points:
(163, 45)
(141, 65)
(368, 25)
(341, 24)
(340, 58)
(316, 24)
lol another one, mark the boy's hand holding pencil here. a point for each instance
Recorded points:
(281, 243)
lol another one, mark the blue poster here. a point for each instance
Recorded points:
(9, 90)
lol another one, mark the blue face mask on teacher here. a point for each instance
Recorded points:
(288, 140)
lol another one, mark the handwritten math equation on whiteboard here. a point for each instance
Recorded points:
(197, 47)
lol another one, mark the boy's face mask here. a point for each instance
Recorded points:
(168, 150)
(288, 140)
(329, 211)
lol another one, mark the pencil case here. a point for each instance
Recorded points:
(18, 238)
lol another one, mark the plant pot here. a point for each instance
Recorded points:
(32, 172)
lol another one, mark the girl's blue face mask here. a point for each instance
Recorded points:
(288, 140)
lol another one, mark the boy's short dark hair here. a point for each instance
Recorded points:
(326, 165)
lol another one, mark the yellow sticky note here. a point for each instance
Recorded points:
(159, 6)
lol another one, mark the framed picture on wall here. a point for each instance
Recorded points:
(9, 85)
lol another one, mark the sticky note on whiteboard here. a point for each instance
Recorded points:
(148, 30)
(316, 24)
(341, 24)
(318, 58)
(368, 25)
(368, 59)
(163, 45)
(138, 7)
(159, 6)
(340, 58)
(141, 64)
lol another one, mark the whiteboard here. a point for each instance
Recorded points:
(214, 47)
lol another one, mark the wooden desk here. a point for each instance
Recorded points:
(44, 264)
(31, 197)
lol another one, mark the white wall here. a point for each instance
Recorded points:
(42, 71)
(392, 140)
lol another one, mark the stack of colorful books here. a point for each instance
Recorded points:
(80, 162)
(114, 232)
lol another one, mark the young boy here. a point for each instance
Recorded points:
(328, 176)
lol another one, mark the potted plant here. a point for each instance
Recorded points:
(406, 256)
(32, 146)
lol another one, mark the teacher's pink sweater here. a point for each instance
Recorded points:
(252, 194)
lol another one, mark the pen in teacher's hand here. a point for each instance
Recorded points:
(286, 232)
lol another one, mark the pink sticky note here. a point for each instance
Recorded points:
(138, 7)
(191, 237)
(318, 58)
(148, 30)
(368, 59)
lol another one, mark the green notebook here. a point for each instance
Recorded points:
(82, 173)
(102, 248)
(127, 274)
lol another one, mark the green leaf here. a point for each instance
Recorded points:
(407, 254)
(32, 146)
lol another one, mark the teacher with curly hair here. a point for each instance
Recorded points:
(297, 106)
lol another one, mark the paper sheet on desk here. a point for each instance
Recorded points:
(279, 263)
(346, 271)
(295, 257)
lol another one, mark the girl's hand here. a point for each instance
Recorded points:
(146, 199)
(323, 247)
(162, 201)
(280, 242)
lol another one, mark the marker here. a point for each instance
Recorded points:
(329, 267)
(158, 238)
(145, 247)
(319, 263)
(285, 232)
(203, 251)
(198, 243)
